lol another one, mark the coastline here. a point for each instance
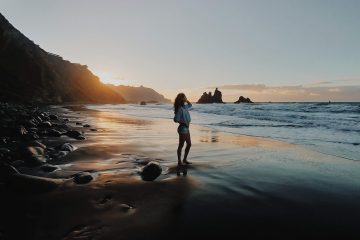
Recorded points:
(258, 186)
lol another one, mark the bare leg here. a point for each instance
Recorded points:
(187, 149)
(181, 144)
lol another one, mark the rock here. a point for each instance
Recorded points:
(142, 103)
(54, 133)
(59, 154)
(53, 117)
(34, 136)
(31, 151)
(38, 144)
(49, 168)
(87, 125)
(78, 123)
(93, 129)
(22, 130)
(82, 178)
(66, 147)
(30, 123)
(45, 124)
(151, 171)
(4, 151)
(75, 134)
(17, 163)
(35, 161)
(33, 130)
(125, 207)
(243, 100)
(208, 98)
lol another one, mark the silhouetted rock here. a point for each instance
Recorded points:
(34, 161)
(75, 134)
(209, 98)
(66, 147)
(243, 100)
(30, 74)
(142, 103)
(151, 171)
(49, 168)
(82, 178)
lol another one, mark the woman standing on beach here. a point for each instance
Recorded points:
(182, 117)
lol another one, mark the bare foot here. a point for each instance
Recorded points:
(187, 162)
(180, 164)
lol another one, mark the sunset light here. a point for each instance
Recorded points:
(110, 78)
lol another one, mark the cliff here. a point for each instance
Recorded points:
(139, 94)
(30, 74)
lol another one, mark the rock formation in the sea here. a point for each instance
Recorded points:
(30, 74)
(139, 94)
(209, 98)
(243, 100)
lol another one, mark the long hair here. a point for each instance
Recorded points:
(179, 102)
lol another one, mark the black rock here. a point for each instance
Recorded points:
(243, 100)
(75, 134)
(82, 178)
(22, 130)
(65, 147)
(87, 125)
(54, 133)
(93, 129)
(45, 124)
(53, 117)
(151, 171)
(78, 123)
(49, 168)
(209, 98)
(35, 161)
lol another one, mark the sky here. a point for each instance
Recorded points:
(268, 50)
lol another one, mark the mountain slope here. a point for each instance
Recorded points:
(29, 73)
(138, 94)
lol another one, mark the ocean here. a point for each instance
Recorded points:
(329, 128)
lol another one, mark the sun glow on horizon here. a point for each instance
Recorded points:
(109, 78)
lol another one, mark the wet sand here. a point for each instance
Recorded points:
(247, 186)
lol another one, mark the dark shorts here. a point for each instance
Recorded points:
(183, 129)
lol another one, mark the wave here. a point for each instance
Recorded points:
(331, 127)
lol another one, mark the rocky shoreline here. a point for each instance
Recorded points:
(33, 139)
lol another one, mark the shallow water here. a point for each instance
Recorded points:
(330, 128)
(257, 185)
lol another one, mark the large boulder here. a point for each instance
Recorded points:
(83, 178)
(151, 171)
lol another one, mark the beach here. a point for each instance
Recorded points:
(237, 184)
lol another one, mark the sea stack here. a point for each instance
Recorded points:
(209, 98)
(243, 100)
